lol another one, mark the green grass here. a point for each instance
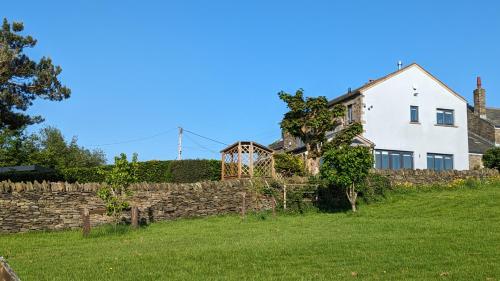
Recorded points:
(436, 235)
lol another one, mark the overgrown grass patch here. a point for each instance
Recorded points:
(447, 234)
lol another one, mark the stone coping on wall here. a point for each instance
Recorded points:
(429, 176)
(8, 186)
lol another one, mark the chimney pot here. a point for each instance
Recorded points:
(479, 84)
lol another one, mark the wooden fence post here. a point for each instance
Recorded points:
(273, 202)
(284, 197)
(86, 222)
(243, 207)
(135, 217)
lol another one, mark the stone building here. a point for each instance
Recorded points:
(484, 127)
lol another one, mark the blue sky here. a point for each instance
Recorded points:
(139, 69)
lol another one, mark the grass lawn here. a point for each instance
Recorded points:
(435, 235)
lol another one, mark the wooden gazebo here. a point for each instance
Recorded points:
(246, 159)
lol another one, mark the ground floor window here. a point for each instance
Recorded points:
(439, 162)
(393, 159)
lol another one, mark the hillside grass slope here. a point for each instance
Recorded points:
(433, 235)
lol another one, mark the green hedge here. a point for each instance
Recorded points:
(83, 175)
(195, 170)
(183, 171)
(31, 176)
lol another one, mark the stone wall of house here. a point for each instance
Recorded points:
(426, 177)
(497, 136)
(54, 206)
(475, 161)
(357, 108)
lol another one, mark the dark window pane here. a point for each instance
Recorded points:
(407, 161)
(378, 160)
(438, 163)
(430, 162)
(385, 160)
(440, 118)
(395, 161)
(448, 163)
(349, 114)
(448, 118)
(414, 113)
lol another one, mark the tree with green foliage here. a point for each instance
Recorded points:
(491, 158)
(55, 152)
(347, 167)
(46, 148)
(23, 80)
(309, 119)
(16, 148)
(289, 165)
(115, 191)
(344, 165)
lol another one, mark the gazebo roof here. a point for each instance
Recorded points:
(247, 143)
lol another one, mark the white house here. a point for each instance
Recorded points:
(410, 118)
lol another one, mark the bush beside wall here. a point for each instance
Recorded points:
(195, 170)
(183, 171)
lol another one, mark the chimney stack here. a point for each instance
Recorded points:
(480, 100)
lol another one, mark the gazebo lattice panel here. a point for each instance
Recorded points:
(247, 160)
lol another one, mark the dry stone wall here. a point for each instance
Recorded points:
(428, 177)
(54, 206)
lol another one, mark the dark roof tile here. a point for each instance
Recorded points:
(493, 115)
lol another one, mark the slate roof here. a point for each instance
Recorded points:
(478, 144)
(277, 145)
(493, 115)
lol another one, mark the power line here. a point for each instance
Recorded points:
(207, 138)
(136, 140)
(201, 146)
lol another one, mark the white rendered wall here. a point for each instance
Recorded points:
(387, 117)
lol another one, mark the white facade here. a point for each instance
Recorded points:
(386, 117)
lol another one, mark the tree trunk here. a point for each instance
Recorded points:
(352, 195)
(312, 165)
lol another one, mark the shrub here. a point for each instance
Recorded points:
(374, 188)
(289, 165)
(115, 190)
(31, 176)
(347, 167)
(148, 171)
(154, 171)
(194, 170)
(84, 175)
(491, 158)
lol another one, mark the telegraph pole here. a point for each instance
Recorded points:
(179, 146)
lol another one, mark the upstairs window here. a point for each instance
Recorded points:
(445, 117)
(350, 117)
(414, 114)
